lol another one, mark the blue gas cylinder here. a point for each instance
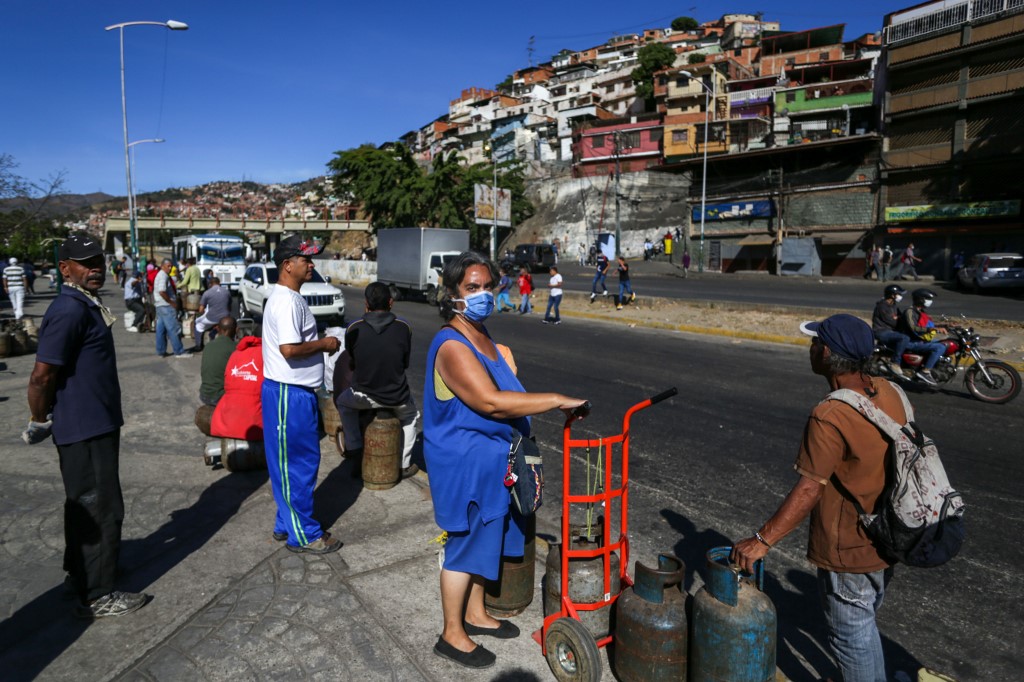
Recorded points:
(733, 629)
(650, 625)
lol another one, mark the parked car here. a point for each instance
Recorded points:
(992, 271)
(536, 257)
(325, 300)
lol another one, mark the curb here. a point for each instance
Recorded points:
(726, 333)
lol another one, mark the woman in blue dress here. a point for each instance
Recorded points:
(471, 402)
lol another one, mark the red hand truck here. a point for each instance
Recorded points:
(568, 645)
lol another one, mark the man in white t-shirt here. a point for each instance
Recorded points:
(15, 284)
(293, 368)
(165, 301)
(554, 297)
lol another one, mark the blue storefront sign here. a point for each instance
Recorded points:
(739, 210)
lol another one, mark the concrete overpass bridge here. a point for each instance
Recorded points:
(116, 231)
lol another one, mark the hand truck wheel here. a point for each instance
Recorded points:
(572, 652)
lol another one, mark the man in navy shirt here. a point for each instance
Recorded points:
(74, 395)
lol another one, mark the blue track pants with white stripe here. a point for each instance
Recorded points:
(290, 436)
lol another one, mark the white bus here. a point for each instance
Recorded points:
(224, 254)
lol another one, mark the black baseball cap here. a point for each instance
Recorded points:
(295, 246)
(79, 246)
(845, 335)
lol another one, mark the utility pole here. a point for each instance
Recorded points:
(618, 224)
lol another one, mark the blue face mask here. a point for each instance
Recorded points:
(479, 306)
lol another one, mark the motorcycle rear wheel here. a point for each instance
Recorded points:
(1003, 388)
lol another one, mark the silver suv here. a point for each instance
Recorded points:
(325, 301)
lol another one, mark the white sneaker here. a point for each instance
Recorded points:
(133, 330)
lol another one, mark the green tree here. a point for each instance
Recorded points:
(699, 58)
(684, 24)
(396, 192)
(652, 58)
(505, 85)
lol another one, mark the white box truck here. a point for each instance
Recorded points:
(410, 259)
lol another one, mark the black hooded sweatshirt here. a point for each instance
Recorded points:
(378, 345)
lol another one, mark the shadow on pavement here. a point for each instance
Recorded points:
(693, 546)
(41, 630)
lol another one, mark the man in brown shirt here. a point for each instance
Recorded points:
(839, 444)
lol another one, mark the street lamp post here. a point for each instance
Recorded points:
(704, 173)
(133, 205)
(174, 26)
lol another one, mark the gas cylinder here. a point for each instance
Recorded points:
(211, 452)
(19, 342)
(204, 415)
(382, 451)
(650, 625)
(734, 624)
(512, 592)
(242, 455)
(328, 413)
(586, 580)
(192, 301)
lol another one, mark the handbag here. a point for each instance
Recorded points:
(525, 474)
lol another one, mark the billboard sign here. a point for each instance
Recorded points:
(740, 210)
(484, 204)
(976, 209)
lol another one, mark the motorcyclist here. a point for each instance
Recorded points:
(884, 322)
(919, 327)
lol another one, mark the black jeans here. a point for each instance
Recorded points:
(93, 513)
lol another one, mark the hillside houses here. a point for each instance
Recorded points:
(908, 133)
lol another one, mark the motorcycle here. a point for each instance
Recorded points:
(990, 381)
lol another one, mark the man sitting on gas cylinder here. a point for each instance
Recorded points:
(214, 306)
(239, 413)
(378, 345)
(215, 359)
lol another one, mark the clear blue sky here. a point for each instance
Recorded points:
(268, 90)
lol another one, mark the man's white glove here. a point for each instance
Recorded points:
(37, 432)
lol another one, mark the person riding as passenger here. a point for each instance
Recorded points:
(916, 324)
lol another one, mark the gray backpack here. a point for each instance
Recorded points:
(918, 519)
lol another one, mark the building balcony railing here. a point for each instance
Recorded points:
(919, 22)
(755, 96)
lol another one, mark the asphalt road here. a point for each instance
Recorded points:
(713, 463)
(831, 293)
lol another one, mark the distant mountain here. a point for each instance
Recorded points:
(60, 204)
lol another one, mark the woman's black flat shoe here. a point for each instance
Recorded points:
(477, 658)
(507, 630)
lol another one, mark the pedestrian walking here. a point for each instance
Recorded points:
(887, 256)
(525, 289)
(841, 455)
(15, 285)
(503, 303)
(554, 297)
(907, 263)
(75, 397)
(686, 262)
(582, 252)
(293, 368)
(625, 286)
(600, 274)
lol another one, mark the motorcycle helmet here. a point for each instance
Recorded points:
(923, 297)
(894, 290)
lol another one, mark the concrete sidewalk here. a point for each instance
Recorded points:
(228, 601)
